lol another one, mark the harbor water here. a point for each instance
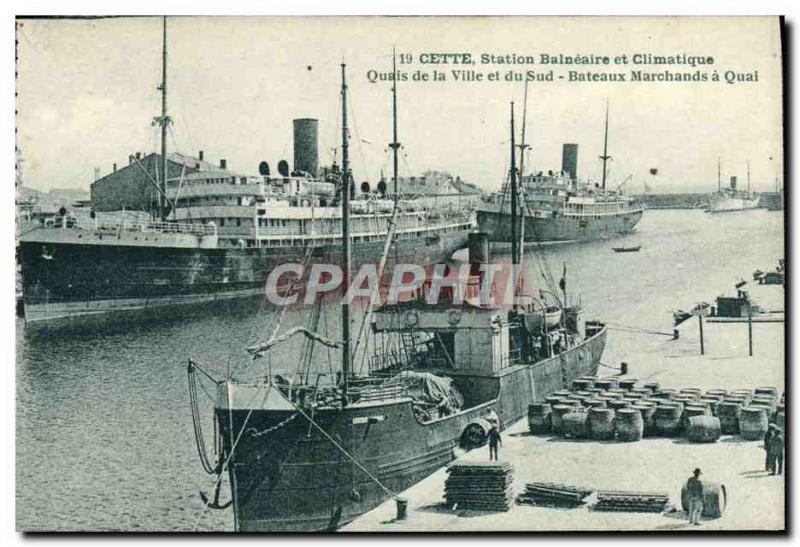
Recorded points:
(104, 428)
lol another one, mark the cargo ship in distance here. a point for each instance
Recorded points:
(556, 207)
(217, 234)
(731, 199)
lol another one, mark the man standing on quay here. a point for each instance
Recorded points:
(694, 491)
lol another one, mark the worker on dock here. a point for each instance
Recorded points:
(494, 440)
(775, 452)
(694, 490)
(767, 437)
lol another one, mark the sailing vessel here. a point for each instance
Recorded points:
(305, 455)
(731, 199)
(557, 207)
(217, 234)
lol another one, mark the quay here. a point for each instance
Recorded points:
(755, 500)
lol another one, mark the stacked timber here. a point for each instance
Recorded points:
(638, 502)
(486, 486)
(551, 494)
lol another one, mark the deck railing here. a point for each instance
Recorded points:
(130, 226)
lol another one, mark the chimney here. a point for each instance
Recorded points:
(306, 157)
(200, 155)
(223, 164)
(115, 167)
(569, 160)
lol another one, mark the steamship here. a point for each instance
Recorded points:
(217, 234)
(556, 207)
(306, 452)
(730, 199)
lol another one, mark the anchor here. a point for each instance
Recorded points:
(215, 504)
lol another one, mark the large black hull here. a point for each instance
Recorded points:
(66, 280)
(559, 228)
(294, 478)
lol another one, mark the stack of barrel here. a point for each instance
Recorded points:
(485, 486)
(605, 409)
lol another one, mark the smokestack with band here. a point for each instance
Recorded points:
(569, 160)
(733, 183)
(305, 145)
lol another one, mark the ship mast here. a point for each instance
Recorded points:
(523, 146)
(748, 176)
(164, 121)
(514, 249)
(346, 357)
(605, 157)
(719, 175)
(394, 145)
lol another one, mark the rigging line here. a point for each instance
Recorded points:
(233, 448)
(339, 447)
(358, 136)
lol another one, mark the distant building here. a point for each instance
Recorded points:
(437, 188)
(132, 187)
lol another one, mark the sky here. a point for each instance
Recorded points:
(87, 93)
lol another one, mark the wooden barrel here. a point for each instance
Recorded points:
(741, 400)
(569, 401)
(573, 425)
(712, 403)
(663, 395)
(577, 399)
(767, 390)
(581, 384)
(593, 390)
(753, 423)
(765, 407)
(616, 404)
(715, 499)
(555, 417)
(648, 411)
(562, 393)
(596, 403)
(606, 383)
(611, 395)
(635, 396)
(552, 399)
(717, 392)
(601, 424)
(691, 411)
(690, 390)
(747, 393)
(627, 383)
(729, 413)
(686, 397)
(652, 386)
(668, 419)
(589, 377)
(703, 429)
(539, 417)
(766, 401)
(628, 425)
(643, 391)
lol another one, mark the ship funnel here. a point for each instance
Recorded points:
(569, 160)
(305, 145)
(223, 164)
(478, 248)
(733, 183)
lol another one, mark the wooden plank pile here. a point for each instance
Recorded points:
(551, 494)
(637, 502)
(485, 486)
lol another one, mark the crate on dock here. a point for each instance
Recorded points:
(485, 486)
